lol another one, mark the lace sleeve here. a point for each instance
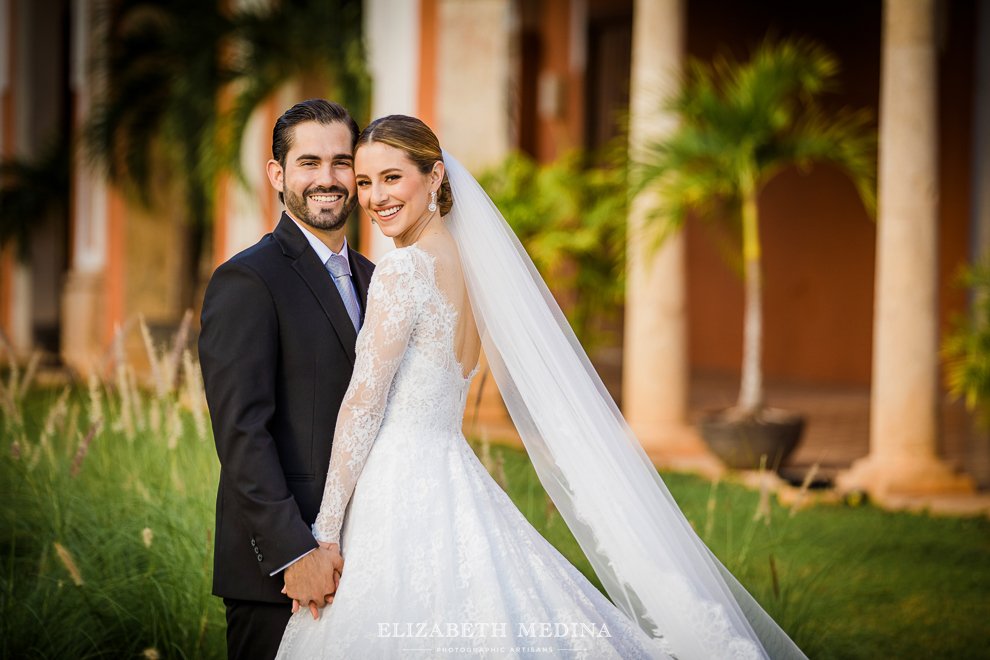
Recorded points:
(393, 307)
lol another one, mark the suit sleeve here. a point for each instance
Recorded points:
(238, 349)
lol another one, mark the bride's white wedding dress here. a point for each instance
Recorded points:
(438, 560)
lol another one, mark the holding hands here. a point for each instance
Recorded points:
(313, 580)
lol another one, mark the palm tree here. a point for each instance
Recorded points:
(183, 77)
(741, 124)
(33, 191)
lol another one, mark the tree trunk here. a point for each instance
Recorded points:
(751, 388)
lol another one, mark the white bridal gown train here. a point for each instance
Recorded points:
(438, 560)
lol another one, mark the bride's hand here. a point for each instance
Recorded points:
(338, 565)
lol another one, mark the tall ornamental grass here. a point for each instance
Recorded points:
(106, 517)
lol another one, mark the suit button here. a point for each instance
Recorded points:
(260, 558)
(256, 551)
(253, 542)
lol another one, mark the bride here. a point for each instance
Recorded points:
(439, 561)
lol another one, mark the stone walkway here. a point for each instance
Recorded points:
(837, 433)
(838, 419)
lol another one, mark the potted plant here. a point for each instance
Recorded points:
(740, 124)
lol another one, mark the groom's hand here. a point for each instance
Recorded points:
(313, 579)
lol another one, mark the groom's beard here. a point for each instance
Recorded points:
(327, 219)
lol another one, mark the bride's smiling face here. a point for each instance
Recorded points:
(393, 192)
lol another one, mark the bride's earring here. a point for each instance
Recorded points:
(433, 201)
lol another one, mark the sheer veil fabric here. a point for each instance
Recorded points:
(649, 559)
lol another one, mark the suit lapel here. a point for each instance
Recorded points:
(361, 278)
(316, 276)
(321, 284)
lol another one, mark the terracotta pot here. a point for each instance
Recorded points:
(740, 442)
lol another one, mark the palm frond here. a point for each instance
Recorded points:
(759, 116)
(32, 191)
(966, 347)
(845, 139)
(276, 45)
(184, 77)
(158, 115)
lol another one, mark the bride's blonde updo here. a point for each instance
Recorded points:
(416, 141)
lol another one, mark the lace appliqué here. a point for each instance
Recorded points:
(429, 537)
(398, 291)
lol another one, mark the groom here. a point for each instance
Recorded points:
(279, 325)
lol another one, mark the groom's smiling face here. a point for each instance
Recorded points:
(318, 176)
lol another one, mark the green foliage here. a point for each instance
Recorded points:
(292, 40)
(571, 218)
(966, 347)
(183, 77)
(31, 191)
(137, 590)
(852, 583)
(742, 123)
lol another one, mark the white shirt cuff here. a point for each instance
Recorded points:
(291, 563)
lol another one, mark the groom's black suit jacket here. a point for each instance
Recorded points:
(277, 351)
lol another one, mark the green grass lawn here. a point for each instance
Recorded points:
(851, 582)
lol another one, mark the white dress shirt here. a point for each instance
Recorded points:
(323, 252)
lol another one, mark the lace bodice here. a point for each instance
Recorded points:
(406, 372)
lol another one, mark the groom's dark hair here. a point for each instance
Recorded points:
(318, 110)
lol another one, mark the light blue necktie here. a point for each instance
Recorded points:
(341, 272)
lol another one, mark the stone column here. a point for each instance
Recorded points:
(475, 57)
(392, 32)
(978, 464)
(904, 419)
(83, 293)
(15, 276)
(655, 362)
(19, 302)
(474, 80)
(248, 208)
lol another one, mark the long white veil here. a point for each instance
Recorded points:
(649, 559)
